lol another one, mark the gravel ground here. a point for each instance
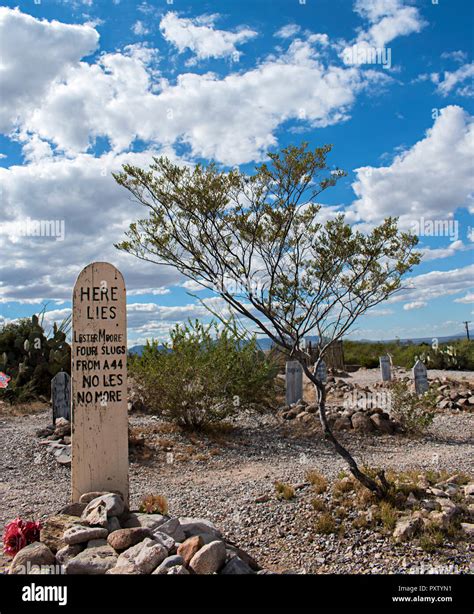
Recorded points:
(220, 476)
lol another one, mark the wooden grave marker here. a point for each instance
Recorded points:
(99, 382)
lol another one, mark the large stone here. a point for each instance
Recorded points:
(164, 539)
(33, 554)
(53, 528)
(236, 566)
(189, 548)
(468, 528)
(148, 521)
(87, 497)
(469, 490)
(113, 524)
(78, 534)
(178, 570)
(93, 561)
(382, 424)
(145, 556)
(244, 556)
(64, 555)
(196, 526)
(125, 538)
(167, 564)
(174, 529)
(343, 423)
(128, 570)
(96, 515)
(99, 509)
(73, 509)
(406, 528)
(362, 423)
(209, 559)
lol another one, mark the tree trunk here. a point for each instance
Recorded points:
(380, 490)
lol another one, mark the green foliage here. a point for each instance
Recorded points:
(31, 359)
(415, 412)
(260, 240)
(454, 355)
(203, 375)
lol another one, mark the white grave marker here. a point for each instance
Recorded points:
(294, 382)
(385, 368)
(321, 372)
(99, 382)
(61, 396)
(420, 375)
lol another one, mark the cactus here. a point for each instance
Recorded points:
(31, 359)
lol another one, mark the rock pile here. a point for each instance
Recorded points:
(99, 535)
(437, 506)
(372, 420)
(57, 437)
(453, 396)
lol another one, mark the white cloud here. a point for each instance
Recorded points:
(452, 81)
(200, 37)
(456, 56)
(95, 211)
(139, 28)
(388, 19)
(288, 31)
(414, 305)
(35, 53)
(435, 284)
(442, 252)
(468, 299)
(432, 179)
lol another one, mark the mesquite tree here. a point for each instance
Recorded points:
(258, 242)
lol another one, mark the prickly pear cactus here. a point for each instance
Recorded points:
(31, 359)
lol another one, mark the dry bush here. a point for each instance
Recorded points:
(154, 504)
(284, 491)
(318, 504)
(317, 480)
(325, 524)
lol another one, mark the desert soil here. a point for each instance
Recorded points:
(220, 475)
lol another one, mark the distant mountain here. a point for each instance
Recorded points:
(265, 344)
(428, 340)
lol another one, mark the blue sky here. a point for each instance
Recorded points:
(89, 85)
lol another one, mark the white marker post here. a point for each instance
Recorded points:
(293, 381)
(99, 382)
(385, 368)
(420, 375)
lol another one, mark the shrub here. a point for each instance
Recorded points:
(154, 504)
(204, 375)
(325, 524)
(317, 480)
(388, 515)
(318, 504)
(284, 491)
(415, 412)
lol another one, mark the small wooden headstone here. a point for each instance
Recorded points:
(294, 381)
(61, 396)
(99, 382)
(385, 368)
(321, 372)
(420, 376)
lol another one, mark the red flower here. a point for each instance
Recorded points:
(19, 534)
